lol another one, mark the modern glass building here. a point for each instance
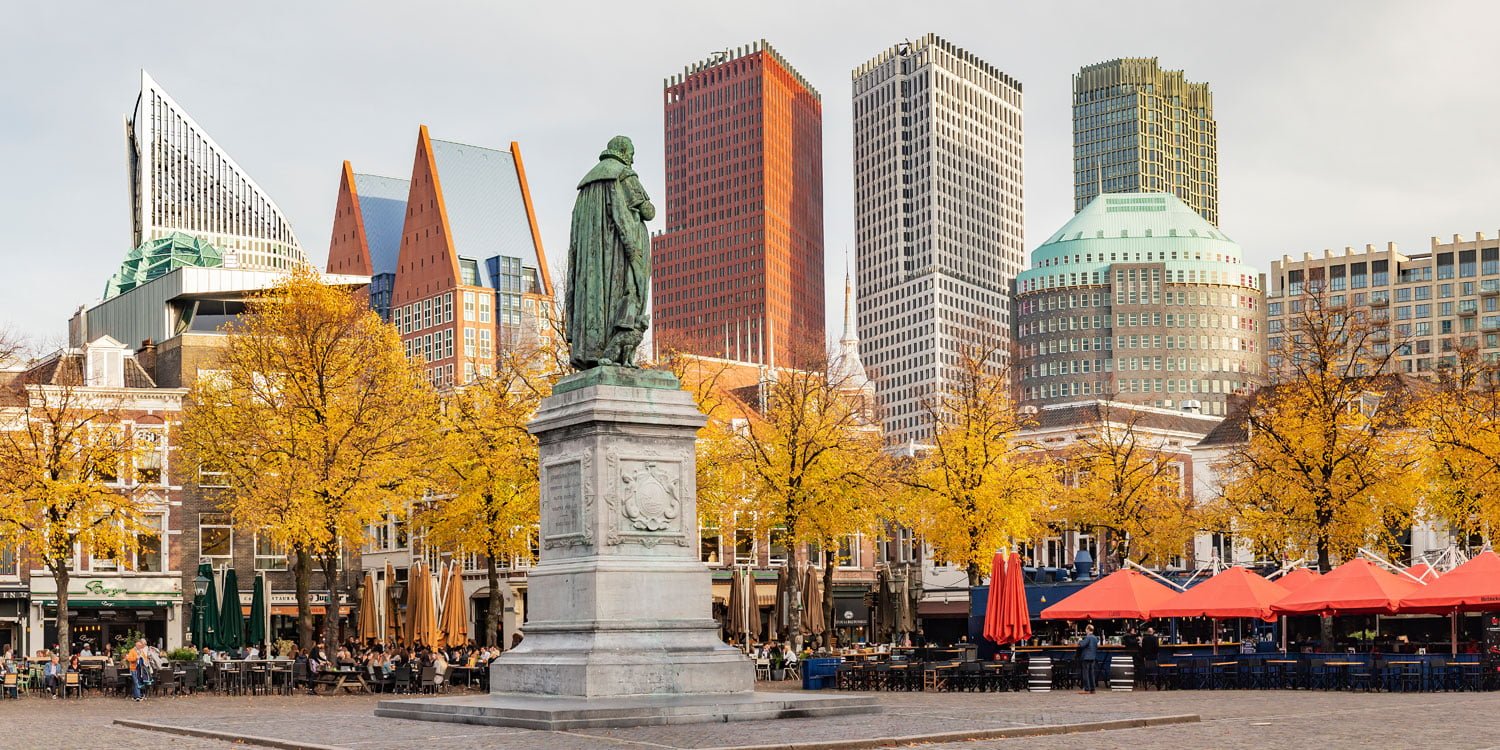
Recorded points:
(1138, 128)
(1139, 299)
(182, 181)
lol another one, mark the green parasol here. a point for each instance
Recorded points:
(257, 633)
(231, 635)
(210, 612)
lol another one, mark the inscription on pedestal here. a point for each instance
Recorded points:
(568, 502)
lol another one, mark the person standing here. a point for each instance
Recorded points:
(1088, 654)
(139, 661)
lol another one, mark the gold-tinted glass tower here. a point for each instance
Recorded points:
(1138, 128)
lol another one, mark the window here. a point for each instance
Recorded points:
(150, 454)
(849, 551)
(780, 550)
(149, 557)
(8, 560)
(709, 548)
(215, 537)
(212, 476)
(744, 540)
(268, 554)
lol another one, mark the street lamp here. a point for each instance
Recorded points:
(200, 592)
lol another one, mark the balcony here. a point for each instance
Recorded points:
(1489, 287)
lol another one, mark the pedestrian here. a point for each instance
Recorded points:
(1088, 654)
(139, 661)
(52, 676)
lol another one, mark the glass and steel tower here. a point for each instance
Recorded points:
(938, 218)
(182, 181)
(1138, 128)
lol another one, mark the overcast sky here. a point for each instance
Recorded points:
(1339, 123)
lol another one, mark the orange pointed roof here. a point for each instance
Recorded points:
(1357, 587)
(1471, 587)
(1297, 578)
(1234, 592)
(1124, 594)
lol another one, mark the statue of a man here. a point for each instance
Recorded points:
(609, 262)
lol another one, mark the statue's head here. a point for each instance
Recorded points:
(621, 148)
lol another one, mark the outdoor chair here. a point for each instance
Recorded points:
(969, 677)
(1362, 678)
(844, 676)
(1064, 674)
(72, 682)
(428, 683)
(11, 687)
(110, 681)
(164, 682)
(763, 668)
(402, 682)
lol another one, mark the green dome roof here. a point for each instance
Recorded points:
(1133, 228)
(154, 258)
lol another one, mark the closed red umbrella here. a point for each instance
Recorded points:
(1357, 587)
(1006, 618)
(1124, 594)
(1234, 592)
(1297, 578)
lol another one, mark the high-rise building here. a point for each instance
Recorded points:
(1140, 129)
(470, 274)
(183, 182)
(738, 270)
(1437, 304)
(938, 218)
(1139, 299)
(367, 224)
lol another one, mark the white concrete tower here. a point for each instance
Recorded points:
(938, 217)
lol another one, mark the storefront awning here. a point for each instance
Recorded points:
(291, 610)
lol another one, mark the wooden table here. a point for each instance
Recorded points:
(341, 680)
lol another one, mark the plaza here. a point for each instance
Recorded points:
(1290, 720)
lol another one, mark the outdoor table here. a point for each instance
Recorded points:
(1281, 673)
(1341, 672)
(341, 680)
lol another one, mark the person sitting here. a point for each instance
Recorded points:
(439, 668)
(52, 676)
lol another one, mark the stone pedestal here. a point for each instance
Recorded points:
(619, 603)
(620, 631)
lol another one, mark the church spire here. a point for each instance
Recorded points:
(851, 336)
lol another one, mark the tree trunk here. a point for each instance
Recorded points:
(976, 574)
(497, 603)
(829, 564)
(331, 609)
(794, 633)
(304, 600)
(64, 639)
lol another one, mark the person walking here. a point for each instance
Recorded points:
(1088, 654)
(139, 661)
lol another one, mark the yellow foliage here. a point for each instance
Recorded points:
(57, 454)
(1125, 482)
(981, 487)
(1462, 461)
(1330, 462)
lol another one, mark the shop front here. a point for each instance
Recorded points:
(108, 610)
(284, 615)
(13, 617)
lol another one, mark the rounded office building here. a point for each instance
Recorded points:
(1138, 299)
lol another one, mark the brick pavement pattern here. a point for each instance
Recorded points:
(1279, 719)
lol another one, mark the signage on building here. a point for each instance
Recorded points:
(112, 591)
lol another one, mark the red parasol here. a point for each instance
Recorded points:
(1297, 578)
(1357, 587)
(1122, 594)
(1234, 592)
(1471, 587)
(1006, 618)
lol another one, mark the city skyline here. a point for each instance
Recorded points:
(291, 128)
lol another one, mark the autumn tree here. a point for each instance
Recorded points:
(813, 454)
(319, 424)
(61, 449)
(724, 489)
(981, 485)
(1126, 481)
(1329, 464)
(486, 493)
(1460, 415)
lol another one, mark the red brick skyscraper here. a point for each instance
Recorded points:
(738, 270)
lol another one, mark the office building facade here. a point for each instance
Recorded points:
(1138, 128)
(938, 218)
(1438, 305)
(454, 255)
(181, 181)
(1139, 299)
(738, 270)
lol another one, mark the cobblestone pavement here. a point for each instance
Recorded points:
(1283, 720)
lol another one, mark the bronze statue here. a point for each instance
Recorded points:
(609, 262)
